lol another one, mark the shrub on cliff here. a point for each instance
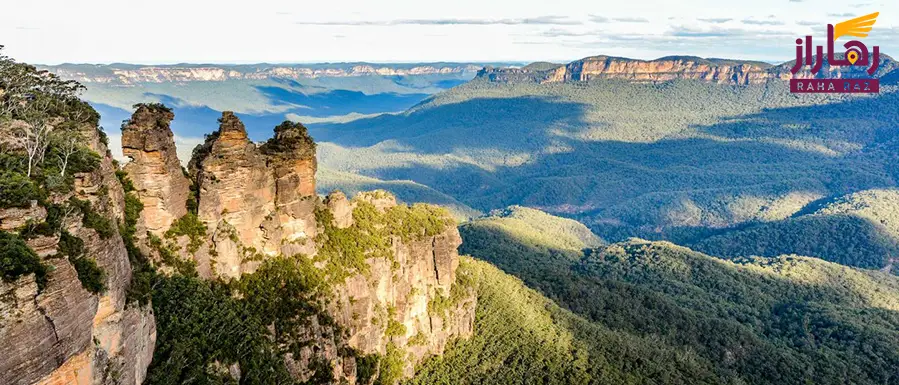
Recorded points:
(291, 139)
(190, 226)
(17, 259)
(92, 219)
(92, 277)
(17, 190)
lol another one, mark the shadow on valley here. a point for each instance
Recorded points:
(787, 320)
(494, 152)
(503, 124)
(859, 120)
(338, 102)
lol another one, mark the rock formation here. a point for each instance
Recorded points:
(63, 334)
(259, 202)
(154, 168)
(236, 201)
(402, 290)
(291, 156)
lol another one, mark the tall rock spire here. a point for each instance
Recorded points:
(154, 167)
(291, 155)
(236, 201)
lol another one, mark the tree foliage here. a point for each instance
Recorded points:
(17, 259)
(760, 320)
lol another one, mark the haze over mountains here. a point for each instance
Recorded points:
(243, 266)
(263, 93)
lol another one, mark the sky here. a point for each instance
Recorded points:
(291, 31)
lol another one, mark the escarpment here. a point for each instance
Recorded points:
(663, 69)
(383, 273)
(718, 71)
(65, 317)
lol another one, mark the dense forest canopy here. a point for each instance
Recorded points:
(786, 319)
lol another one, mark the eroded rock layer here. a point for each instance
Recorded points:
(61, 333)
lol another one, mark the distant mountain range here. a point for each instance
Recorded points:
(263, 95)
(721, 71)
(129, 74)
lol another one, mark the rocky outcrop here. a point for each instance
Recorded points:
(719, 71)
(291, 157)
(15, 217)
(154, 168)
(394, 302)
(341, 208)
(236, 202)
(256, 201)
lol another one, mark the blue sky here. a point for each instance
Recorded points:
(279, 31)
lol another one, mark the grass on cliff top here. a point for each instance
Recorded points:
(346, 250)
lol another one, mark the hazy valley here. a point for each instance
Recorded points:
(608, 220)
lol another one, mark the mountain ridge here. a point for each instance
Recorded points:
(716, 70)
(125, 74)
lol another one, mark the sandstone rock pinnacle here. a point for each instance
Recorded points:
(154, 167)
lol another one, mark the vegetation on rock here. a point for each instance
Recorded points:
(345, 250)
(92, 277)
(17, 259)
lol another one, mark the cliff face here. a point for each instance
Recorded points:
(236, 202)
(291, 157)
(601, 67)
(156, 172)
(61, 333)
(717, 71)
(395, 302)
(258, 202)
